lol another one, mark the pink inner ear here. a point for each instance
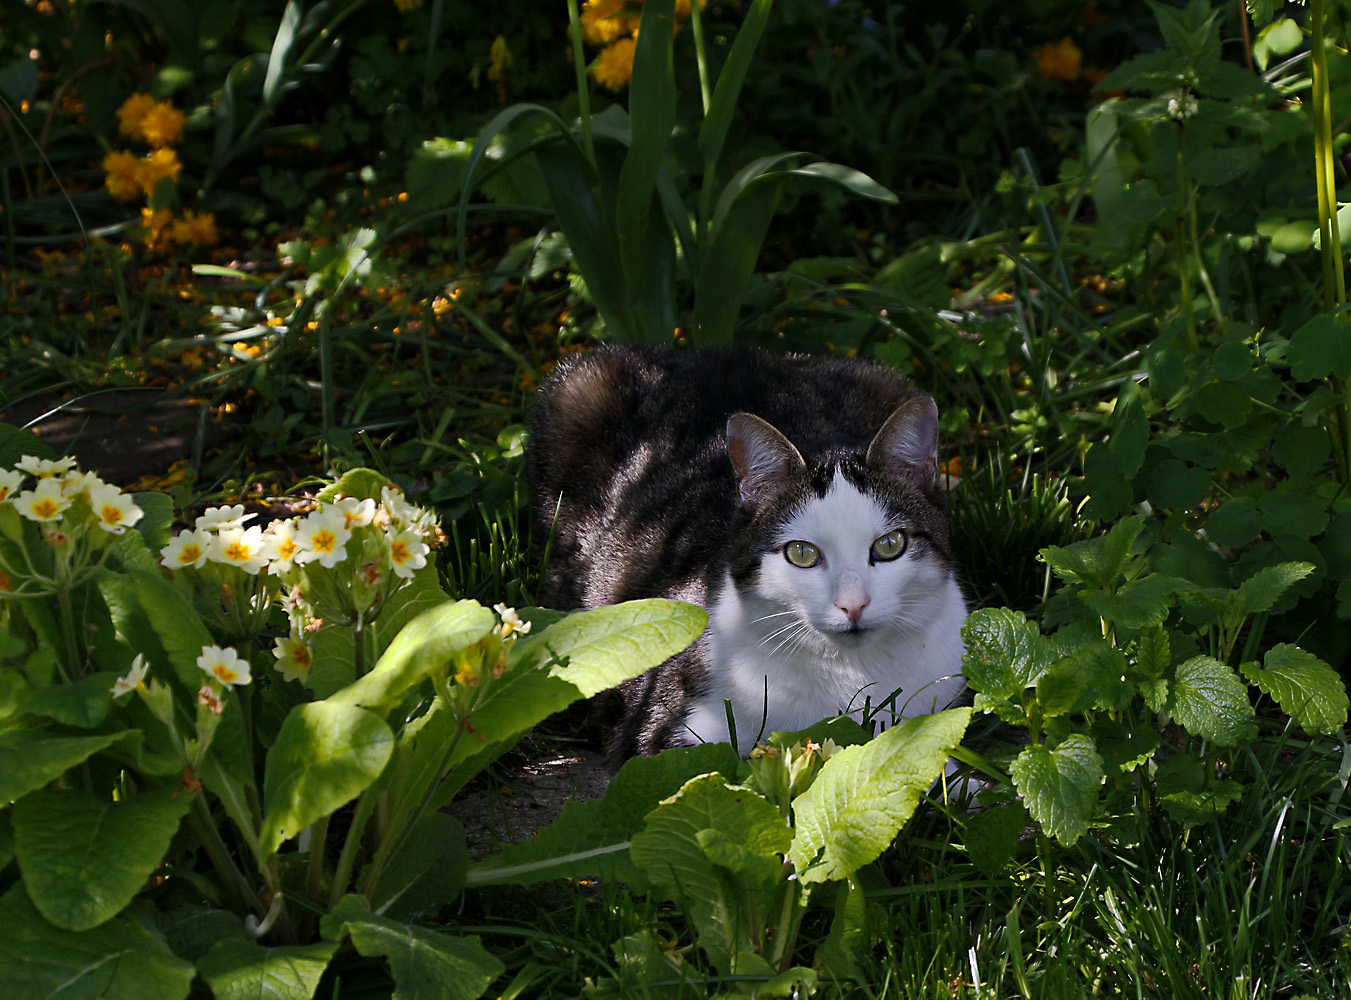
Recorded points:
(907, 444)
(763, 460)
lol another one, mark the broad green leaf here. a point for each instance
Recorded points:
(429, 642)
(1264, 588)
(1305, 687)
(15, 443)
(151, 531)
(426, 965)
(364, 484)
(83, 858)
(1208, 700)
(29, 760)
(1321, 347)
(1153, 653)
(1277, 39)
(121, 960)
(598, 649)
(1191, 808)
(1301, 450)
(1060, 786)
(426, 873)
(241, 970)
(722, 108)
(991, 837)
(1005, 653)
(1140, 604)
(1293, 515)
(1174, 485)
(1098, 562)
(837, 955)
(669, 852)
(1089, 676)
(142, 603)
(591, 837)
(324, 756)
(83, 704)
(1234, 523)
(864, 794)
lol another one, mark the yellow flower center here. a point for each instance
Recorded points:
(237, 552)
(224, 673)
(324, 541)
(45, 509)
(190, 554)
(398, 551)
(111, 514)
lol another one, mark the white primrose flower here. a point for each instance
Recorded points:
(401, 512)
(281, 545)
(115, 510)
(242, 547)
(224, 664)
(407, 553)
(218, 518)
(187, 548)
(44, 502)
(11, 482)
(44, 467)
(75, 482)
(293, 658)
(134, 678)
(511, 622)
(323, 537)
(355, 513)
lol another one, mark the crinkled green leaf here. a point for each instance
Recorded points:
(1098, 562)
(1060, 786)
(362, 483)
(83, 858)
(120, 960)
(1208, 700)
(427, 643)
(991, 837)
(242, 970)
(426, 964)
(324, 756)
(1005, 653)
(142, 603)
(864, 794)
(1191, 808)
(1305, 687)
(1141, 603)
(1268, 585)
(1090, 676)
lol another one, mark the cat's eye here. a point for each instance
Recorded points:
(803, 555)
(889, 546)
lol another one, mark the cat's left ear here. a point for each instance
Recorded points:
(907, 445)
(762, 458)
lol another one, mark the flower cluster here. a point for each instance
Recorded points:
(130, 177)
(57, 524)
(613, 24)
(336, 565)
(782, 775)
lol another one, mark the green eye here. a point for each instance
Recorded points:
(889, 546)
(803, 555)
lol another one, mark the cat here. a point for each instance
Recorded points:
(794, 497)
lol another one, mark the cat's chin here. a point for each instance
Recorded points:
(851, 639)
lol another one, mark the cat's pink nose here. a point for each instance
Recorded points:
(852, 607)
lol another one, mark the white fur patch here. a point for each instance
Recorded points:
(788, 652)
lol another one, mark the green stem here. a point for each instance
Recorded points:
(73, 662)
(583, 93)
(701, 57)
(1183, 257)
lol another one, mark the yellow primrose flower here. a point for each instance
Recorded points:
(44, 502)
(114, 509)
(132, 112)
(293, 658)
(602, 22)
(156, 225)
(322, 537)
(407, 553)
(187, 548)
(134, 678)
(242, 547)
(224, 664)
(613, 68)
(122, 171)
(281, 545)
(1059, 61)
(162, 124)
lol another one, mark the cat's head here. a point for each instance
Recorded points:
(854, 545)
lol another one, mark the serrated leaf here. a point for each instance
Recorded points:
(1098, 562)
(864, 794)
(1005, 653)
(1208, 700)
(1264, 588)
(669, 853)
(1089, 676)
(242, 970)
(425, 964)
(591, 837)
(83, 858)
(1153, 653)
(1140, 604)
(427, 643)
(324, 756)
(1306, 688)
(1060, 786)
(120, 960)
(1191, 808)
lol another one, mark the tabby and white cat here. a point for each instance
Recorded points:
(795, 498)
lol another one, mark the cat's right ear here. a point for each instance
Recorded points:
(762, 458)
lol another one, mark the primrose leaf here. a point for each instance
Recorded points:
(119, 960)
(1060, 786)
(83, 858)
(1005, 653)
(243, 970)
(1208, 700)
(1098, 562)
(325, 756)
(1305, 687)
(426, 964)
(864, 794)
(29, 760)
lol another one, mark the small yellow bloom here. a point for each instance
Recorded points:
(1059, 61)
(162, 124)
(499, 67)
(123, 170)
(602, 21)
(162, 164)
(613, 68)
(187, 548)
(114, 509)
(131, 113)
(197, 229)
(156, 225)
